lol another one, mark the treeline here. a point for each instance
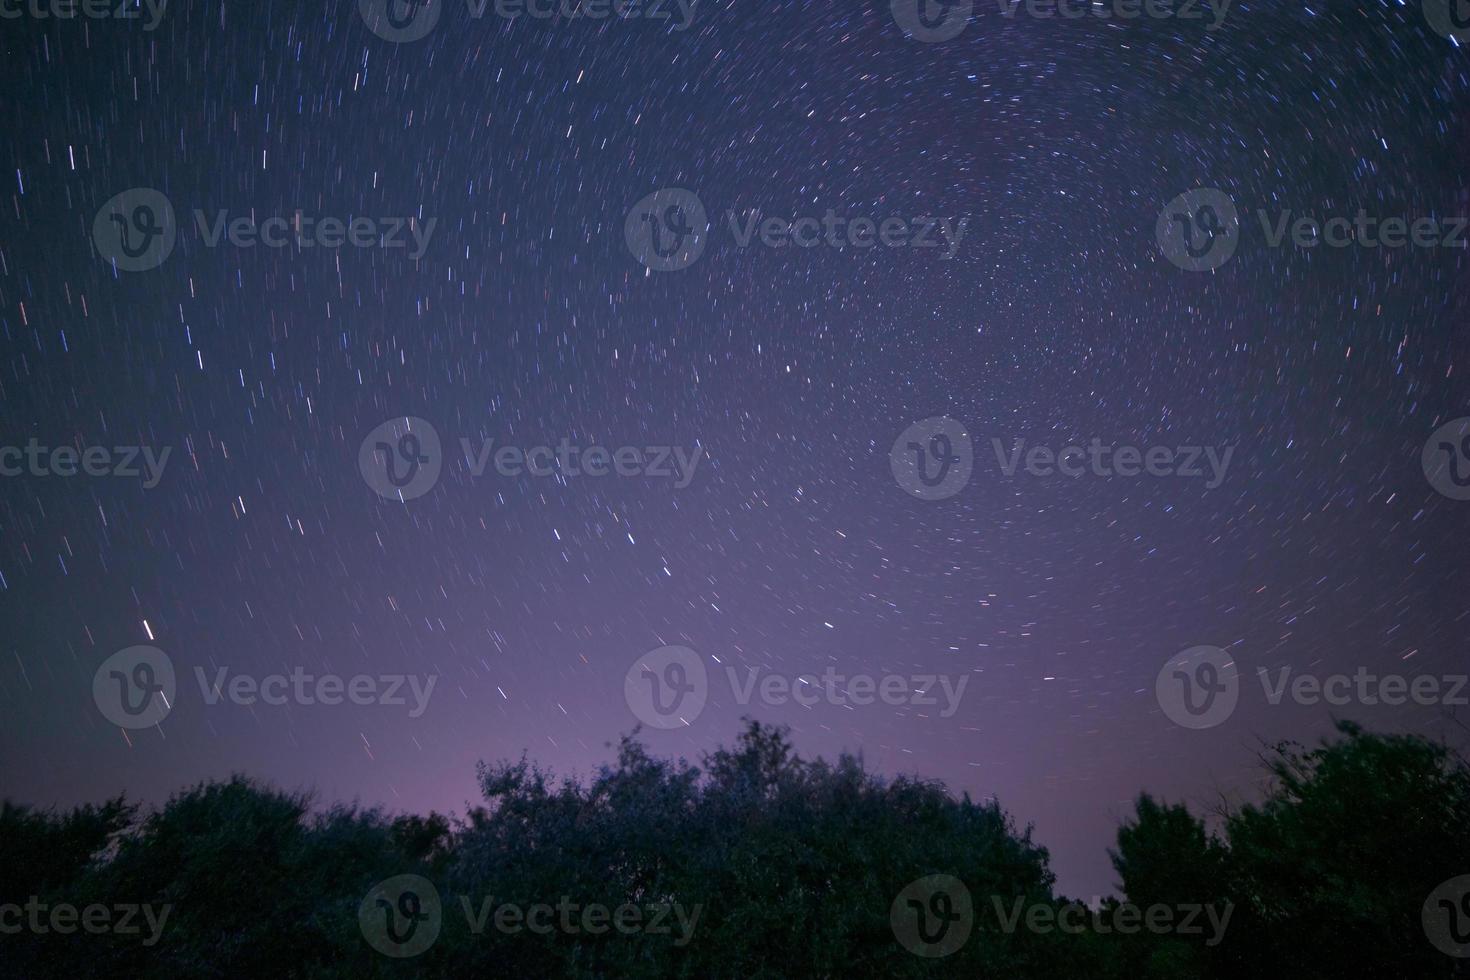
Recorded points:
(756, 863)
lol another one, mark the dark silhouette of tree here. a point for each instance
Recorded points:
(793, 864)
(1328, 873)
(43, 849)
(782, 866)
(1335, 864)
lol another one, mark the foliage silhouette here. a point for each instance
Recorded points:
(778, 867)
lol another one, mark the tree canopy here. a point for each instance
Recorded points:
(757, 863)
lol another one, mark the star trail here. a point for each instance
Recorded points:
(426, 381)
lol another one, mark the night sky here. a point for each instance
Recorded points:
(522, 147)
